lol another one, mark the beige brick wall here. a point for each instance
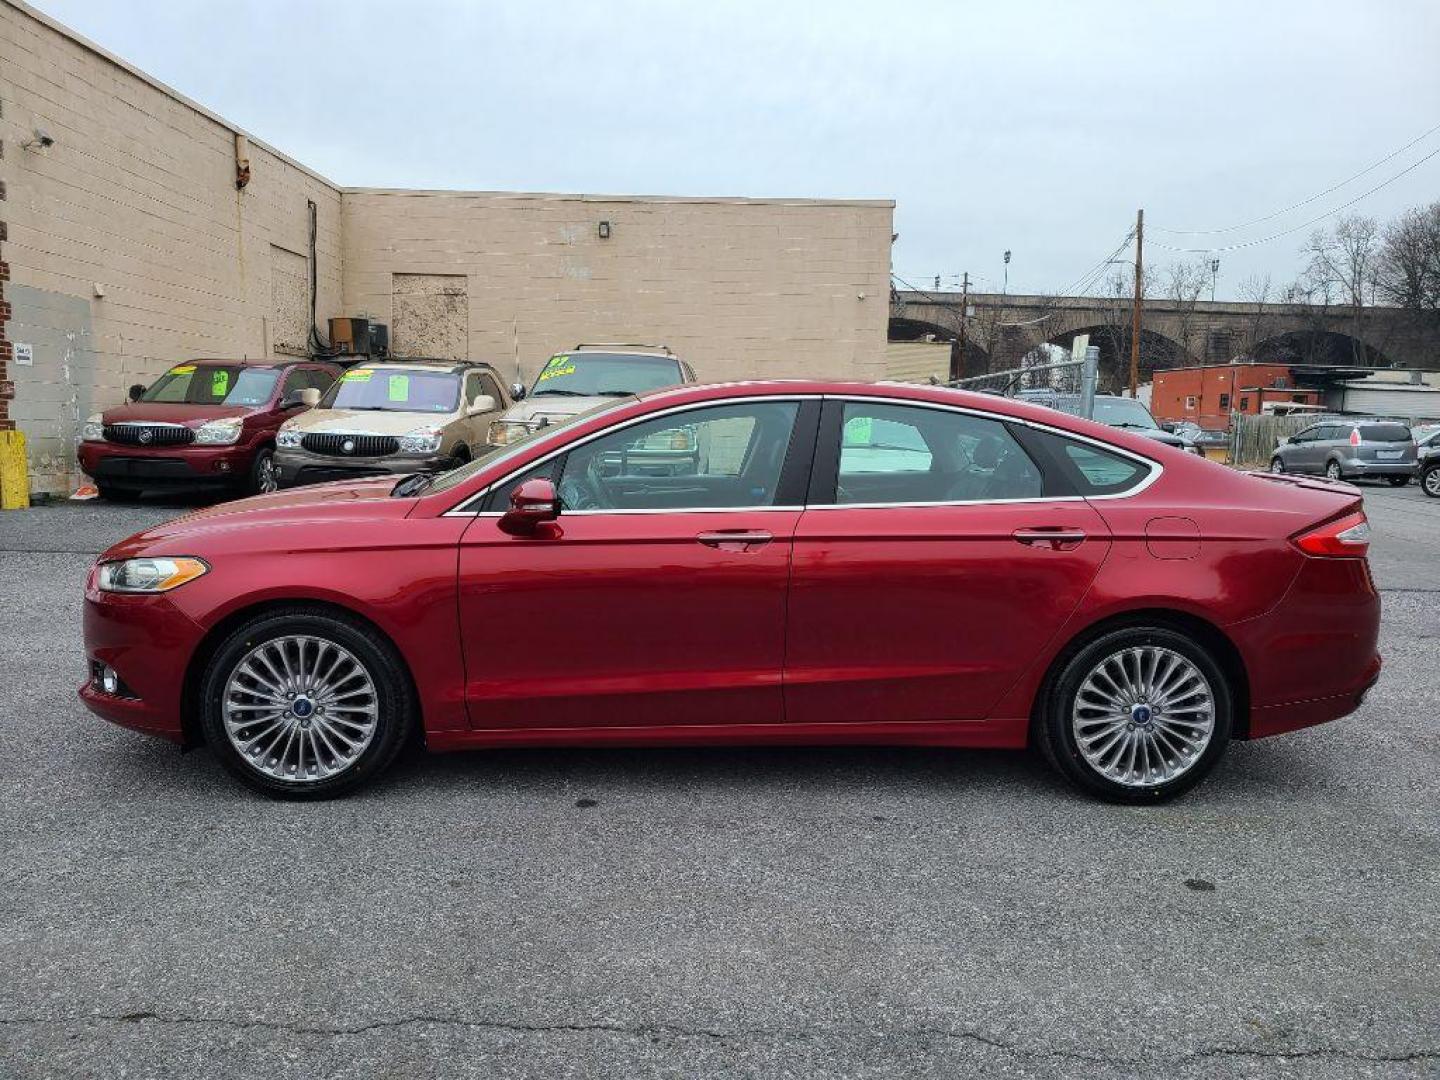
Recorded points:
(136, 200)
(741, 288)
(138, 196)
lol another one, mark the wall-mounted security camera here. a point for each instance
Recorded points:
(40, 140)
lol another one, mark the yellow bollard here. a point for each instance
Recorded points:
(14, 472)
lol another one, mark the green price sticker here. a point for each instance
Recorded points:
(398, 387)
(858, 431)
(219, 383)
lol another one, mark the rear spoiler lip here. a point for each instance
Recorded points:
(1313, 483)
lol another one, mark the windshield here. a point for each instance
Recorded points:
(605, 374)
(1123, 412)
(392, 390)
(252, 387)
(446, 480)
(195, 384)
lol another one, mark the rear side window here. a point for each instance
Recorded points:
(1092, 470)
(1384, 433)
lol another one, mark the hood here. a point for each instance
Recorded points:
(160, 412)
(366, 421)
(553, 407)
(1160, 435)
(341, 501)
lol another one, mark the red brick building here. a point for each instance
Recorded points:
(1208, 395)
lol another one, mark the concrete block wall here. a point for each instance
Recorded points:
(133, 215)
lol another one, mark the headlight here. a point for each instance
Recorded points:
(288, 437)
(420, 441)
(505, 432)
(148, 575)
(94, 430)
(218, 432)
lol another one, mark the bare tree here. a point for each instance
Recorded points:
(1259, 322)
(1408, 267)
(1184, 283)
(1344, 262)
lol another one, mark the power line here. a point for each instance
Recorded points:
(1303, 224)
(1303, 202)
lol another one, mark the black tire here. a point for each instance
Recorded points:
(1397, 481)
(1430, 481)
(1277, 464)
(263, 476)
(1333, 471)
(1056, 738)
(396, 709)
(111, 493)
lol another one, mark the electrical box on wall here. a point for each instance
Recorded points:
(359, 337)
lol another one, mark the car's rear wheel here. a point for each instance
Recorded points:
(1277, 464)
(1139, 715)
(1332, 470)
(303, 704)
(1430, 481)
(1397, 481)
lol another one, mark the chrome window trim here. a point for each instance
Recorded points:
(1155, 468)
(460, 511)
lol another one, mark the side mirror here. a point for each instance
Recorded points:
(482, 404)
(308, 397)
(531, 504)
(1166, 425)
(517, 391)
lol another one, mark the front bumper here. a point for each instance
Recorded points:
(297, 466)
(149, 643)
(166, 466)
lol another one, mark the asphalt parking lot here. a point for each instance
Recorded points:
(761, 913)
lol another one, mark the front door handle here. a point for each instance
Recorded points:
(1055, 538)
(735, 539)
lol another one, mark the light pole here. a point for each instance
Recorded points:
(1214, 276)
(1004, 289)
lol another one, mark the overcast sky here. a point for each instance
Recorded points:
(1037, 127)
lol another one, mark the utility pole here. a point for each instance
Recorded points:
(1214, 277)
(1139, 304)
(959, 372)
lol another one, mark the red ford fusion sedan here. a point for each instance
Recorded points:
(842, 563)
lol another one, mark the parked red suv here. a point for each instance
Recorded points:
(204, 423)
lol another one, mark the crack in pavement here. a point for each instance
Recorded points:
(735, 1034)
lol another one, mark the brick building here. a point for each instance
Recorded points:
(1208, 395)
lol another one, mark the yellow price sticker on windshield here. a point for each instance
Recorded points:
(558, 365)
(398, 388)
(182, 369)
(356, 376)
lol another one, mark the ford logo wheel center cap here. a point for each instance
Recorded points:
(1141, 715)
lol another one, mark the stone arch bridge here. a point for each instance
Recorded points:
(1000, 331)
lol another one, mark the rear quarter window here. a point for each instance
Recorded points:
(1093, 470)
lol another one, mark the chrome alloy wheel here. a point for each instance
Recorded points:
(1143, 716)
(300, 709)
(267, 479)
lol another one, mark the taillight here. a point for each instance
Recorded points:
(1354, 436)
(1344, 538)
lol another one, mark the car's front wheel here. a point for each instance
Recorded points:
(264, 476)
(1139, 715)
(1430, 480)
(1277, 464)
(305, 704)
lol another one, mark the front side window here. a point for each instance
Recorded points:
(393, 390)
(591, 374)
(906, 454)
(194, 384)
(722, 456)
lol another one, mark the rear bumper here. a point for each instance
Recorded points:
(166, 466)
(1278, 719)
(298, 467)
(1358, 467)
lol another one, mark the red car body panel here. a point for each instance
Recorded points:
(912, 624)
(204, 465)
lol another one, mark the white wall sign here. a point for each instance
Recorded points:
(24, 354)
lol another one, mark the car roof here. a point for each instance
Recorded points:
(258, 361)
(449, 367)
(634, 348)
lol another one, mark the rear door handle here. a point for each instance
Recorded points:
(1053, 537)
(735, 539)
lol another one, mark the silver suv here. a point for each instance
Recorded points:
(1349, 450)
